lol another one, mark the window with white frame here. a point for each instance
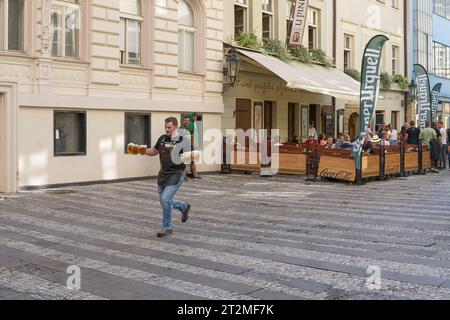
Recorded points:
(267, 19)
(348, 51)
(240, 17)
(65, 18)
(441, 60)
(11, 25)
(313, 29)
(130, 31)
(395, 60)
(186, 37)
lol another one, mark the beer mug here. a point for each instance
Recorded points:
(130, 148)
(133, 149)
(142, 150)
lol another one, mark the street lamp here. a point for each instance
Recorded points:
(232, 68)
(412, 90)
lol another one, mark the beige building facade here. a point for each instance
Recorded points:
(341, 29)
(355, 27)
(79, 80)
(260, 99)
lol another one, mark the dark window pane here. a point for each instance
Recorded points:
(70, 133)
(72, 30)
(57, 31)
(15, 25)
(137, 129)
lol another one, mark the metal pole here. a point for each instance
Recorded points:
(382, 162)
(359, 170)
(402, 159)
(308, 161)
(420, 171)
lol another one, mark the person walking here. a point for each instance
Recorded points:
(444, 144)
(171, 176)
(428, 135)
(195, 134)
(448, 147)
(185, 131)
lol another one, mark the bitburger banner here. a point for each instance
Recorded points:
(435, 95)
(299, 22)
(370, 80)
(423, 95)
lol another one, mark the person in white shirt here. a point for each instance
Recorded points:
(312, 131)
(444, 143)
(393, 136)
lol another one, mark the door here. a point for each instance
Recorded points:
(243, 114)
(353, 125)
(293, 116)
(313, 115)
(268, 115)
(395, 120)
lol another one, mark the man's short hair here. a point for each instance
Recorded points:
(412, 123)
(441, 122)
(427, 124)
(172, 120)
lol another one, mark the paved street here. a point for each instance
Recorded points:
(247, 238)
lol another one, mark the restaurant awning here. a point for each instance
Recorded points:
(309, 77)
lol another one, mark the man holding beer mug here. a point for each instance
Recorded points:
(170, 147)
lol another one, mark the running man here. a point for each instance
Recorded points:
(171, 176)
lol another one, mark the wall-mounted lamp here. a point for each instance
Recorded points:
(232, 67)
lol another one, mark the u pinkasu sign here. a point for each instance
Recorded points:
(299, 22)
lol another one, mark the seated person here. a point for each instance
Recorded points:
(295, 138)
(367, 147)
(340, 140)
(375, 142)
(330, 143)
(346, 144)
(387, 141)
(322, 140)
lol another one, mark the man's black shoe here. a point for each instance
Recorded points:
(164, 233)
(185, 215)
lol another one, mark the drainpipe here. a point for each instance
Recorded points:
(333, 99)
(406, 36)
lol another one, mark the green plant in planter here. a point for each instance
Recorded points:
(277, 48)
(355, 74)
(401, 80)
(386, 81)
(248, 40)
(300, 53)
(319, 56)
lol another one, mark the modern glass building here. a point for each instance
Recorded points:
(430, 45)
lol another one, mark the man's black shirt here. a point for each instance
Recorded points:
(170, 150)
(413, 136)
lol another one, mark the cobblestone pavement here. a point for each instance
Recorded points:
(247, 238)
